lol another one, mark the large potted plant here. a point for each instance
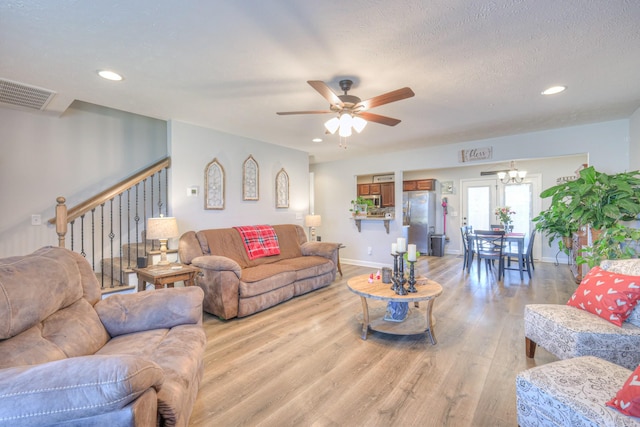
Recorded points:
(595, 200)
(556, 224)
(617, 242)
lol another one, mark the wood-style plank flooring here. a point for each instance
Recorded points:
(303, 363)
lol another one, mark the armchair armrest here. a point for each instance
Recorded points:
(323, 249)
(142, 311)
(217, 263)
(73, 388)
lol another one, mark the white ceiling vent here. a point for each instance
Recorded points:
(23, 95)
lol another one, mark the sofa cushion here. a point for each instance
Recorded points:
(162, 308)
(260, 280)
(228, 242)
(57, 279)
(611, 296)
(309, 266)
(59, 336)
(570, 392)
(73, 388)
(568, 332)
(179, 351)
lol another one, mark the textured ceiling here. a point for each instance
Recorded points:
(477, 67)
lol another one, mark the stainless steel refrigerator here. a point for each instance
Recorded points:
(419, 218)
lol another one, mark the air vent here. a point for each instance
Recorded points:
(23, 95)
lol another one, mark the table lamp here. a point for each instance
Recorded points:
(163, 229)
(312, 221)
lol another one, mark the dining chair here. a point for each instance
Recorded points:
(524, 259)
(467, 246)
(497, 226)
(489, 246)
(529, 251)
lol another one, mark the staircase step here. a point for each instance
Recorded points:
(110, 288)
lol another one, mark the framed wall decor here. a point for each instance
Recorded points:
(250, 179)
(282, 189)
(214, 185)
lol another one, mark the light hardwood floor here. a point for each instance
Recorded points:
(303, 363)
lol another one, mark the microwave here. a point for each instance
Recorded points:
(375, 198)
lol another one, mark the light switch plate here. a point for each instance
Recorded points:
(36, 219)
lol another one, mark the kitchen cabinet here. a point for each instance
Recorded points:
(374, 188)
(364, 189)
(419, 184)
(409, 185)
(387, 191)
(425, 184)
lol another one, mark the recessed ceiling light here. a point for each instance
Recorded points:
(553, 90)
(317, 140)
(110, 75)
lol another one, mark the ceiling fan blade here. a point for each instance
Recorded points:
(385, 98)
(326, 92)
(383, 120)
(286, 113)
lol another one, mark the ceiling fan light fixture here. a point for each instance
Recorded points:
(332, 125)
(345, 125)
(359, 124)
(345, 131)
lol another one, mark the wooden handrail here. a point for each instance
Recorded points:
(97, 200)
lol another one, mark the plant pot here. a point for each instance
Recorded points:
(568, 242)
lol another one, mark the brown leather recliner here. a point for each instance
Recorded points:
(67, 357)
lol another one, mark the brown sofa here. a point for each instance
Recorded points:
(235, 286)
(69, 358)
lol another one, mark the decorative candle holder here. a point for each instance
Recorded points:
(412, 277)
(394, 273)
(398, 274)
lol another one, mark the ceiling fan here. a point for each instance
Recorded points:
(356, 109)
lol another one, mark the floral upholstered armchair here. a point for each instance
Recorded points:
(567, 330)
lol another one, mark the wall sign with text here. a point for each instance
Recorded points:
(475, 154)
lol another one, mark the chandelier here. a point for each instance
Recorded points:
(512, 176)
(344, 124)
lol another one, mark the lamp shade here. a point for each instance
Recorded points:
(332, 125)
(162, 228)
(312, 221)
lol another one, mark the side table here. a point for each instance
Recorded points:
(160, 275)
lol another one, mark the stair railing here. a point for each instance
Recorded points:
(95, 229)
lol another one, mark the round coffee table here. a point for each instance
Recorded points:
(417, 321)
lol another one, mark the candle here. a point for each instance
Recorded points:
(402, 244)
(394, 248)
(411, 254)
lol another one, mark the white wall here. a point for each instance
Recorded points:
(634, 141)
(193, 147)
(86, 150)
(606, 144)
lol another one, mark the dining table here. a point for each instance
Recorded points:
(514, 245)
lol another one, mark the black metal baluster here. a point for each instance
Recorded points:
(129, 228)
(93, 239)
(82, 252)
(120, 237)
(111, 236)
